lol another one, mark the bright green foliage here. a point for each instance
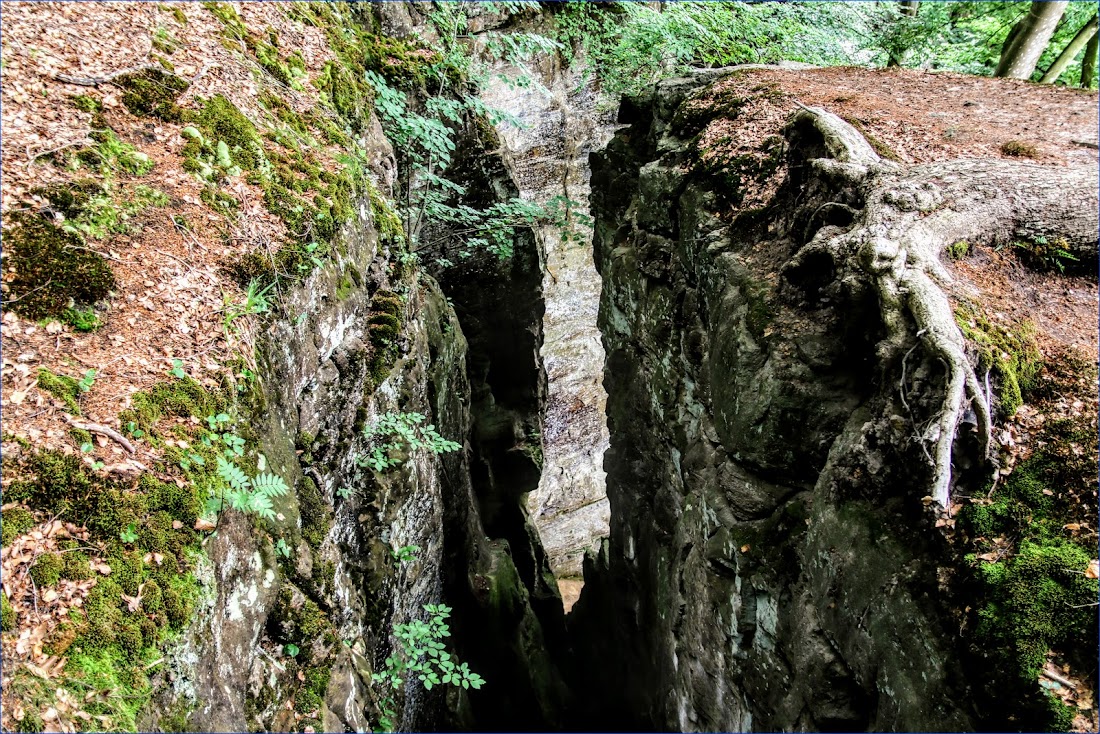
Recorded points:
(1043, 253)
(422, 654)
(632, 45)
(425, 144)
(248, 494)
(81, 319)
(396, 433)
(405, 553)
(7, 614)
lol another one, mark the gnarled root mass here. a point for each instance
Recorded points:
(910, 216)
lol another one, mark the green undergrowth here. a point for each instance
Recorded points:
(1032, 544)
(1010, 353)
(143, 531)
(109, 645)
(303, 628)
(15, 521)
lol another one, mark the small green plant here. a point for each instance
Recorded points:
(422, 654)
(1044, 254)
(405, 553)
(81, 319)
(291, 650)
(177, 369)
(129, 534)
(249, 494)
(394, 433)
(255, 302)
(958, 250)
(85, 383)
(131, 428)
(282, 549)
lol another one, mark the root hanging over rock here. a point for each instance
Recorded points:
(911, 215)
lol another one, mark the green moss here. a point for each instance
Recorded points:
(111, 669)
(86, 103)
(75, 566)
(392, 323)
(220, 201)
(220, 119)
(49, 268)
(1039, 599)
(7, 614)
(62, 387)
(15, 522)
(181, 398)
(1011, 353)
(81, 319)
(959, 250)
(883, 150)
(179, 503)
(314, 512)
(152, 93)
(1019, 149)
(298, 620)
(32, 722)
(46, 570)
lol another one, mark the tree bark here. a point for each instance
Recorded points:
(1083, 37)
(1029, 39)
(1088, 66)
(908, 9)
(911, 215)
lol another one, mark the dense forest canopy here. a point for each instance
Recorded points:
(636, 43)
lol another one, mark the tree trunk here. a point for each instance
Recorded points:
(1029, 39)
(1083, 37)
(1088, 66)
(907, 8)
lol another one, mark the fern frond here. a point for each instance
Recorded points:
(233, 475)
(269, 485)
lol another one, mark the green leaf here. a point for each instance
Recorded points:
(233, 475)
(270, 485)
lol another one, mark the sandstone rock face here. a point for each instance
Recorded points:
(560, 123)
(766, 569)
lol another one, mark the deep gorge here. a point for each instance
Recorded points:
(697, 405)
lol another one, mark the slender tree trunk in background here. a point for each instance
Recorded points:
(1083, 37)
(1029, 39)
(1088, 66)
(909, 9)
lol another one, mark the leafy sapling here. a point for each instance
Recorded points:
(86, 382)
(405, 553)
(395, 433)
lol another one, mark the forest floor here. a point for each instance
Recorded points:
(172, 288)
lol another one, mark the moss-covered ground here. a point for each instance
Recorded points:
(1033, 538)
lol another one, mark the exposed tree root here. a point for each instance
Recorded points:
(910, 217)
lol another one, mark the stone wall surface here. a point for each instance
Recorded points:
(765, 570)
(556, 117)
